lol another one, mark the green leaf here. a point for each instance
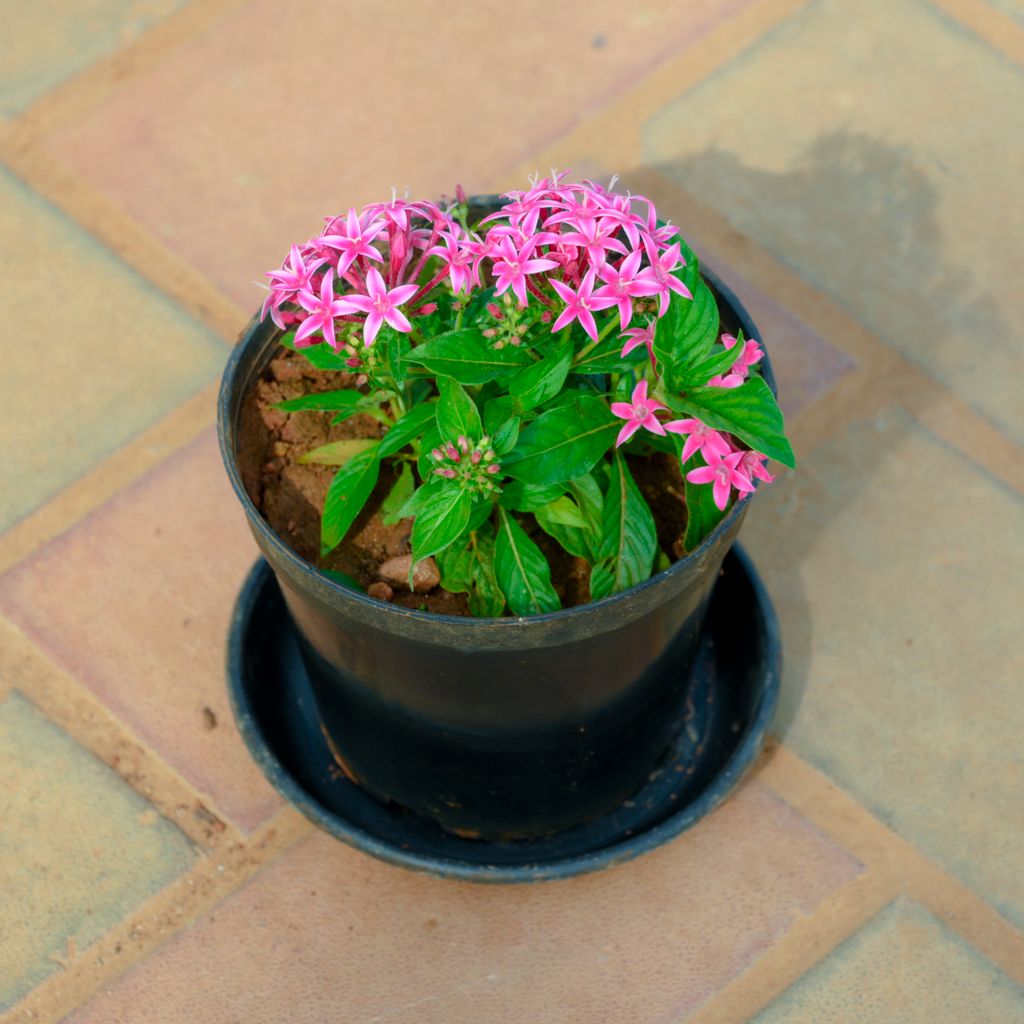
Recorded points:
(442, 514)
(522, 571)
(607, 357)
(563, 511)
(684, 335)
(399, 348)
(322, 356)
(324, 401)
(630, 540)
(563, 443)
(346, 496)
(538, 383)
(407, 429)
(750, 412)
(529, 497)
(337, 453)
(401, 491)
(457, 413)
(702, 514)
(720, 361)
(469, 569)
(501, 422)
(343, 578)
(465, 356)
(580, 541)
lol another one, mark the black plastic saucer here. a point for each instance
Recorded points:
(735, 688)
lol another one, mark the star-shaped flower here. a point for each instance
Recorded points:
(381, 305)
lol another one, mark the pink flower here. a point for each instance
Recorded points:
(637, 412)
(724, 474)
(322, 309)
(294, 276)
(579, 304)
(381, 305)
(639, 336)
(622, 283)
(701, 438)
(511, 266)
(752, 466)
(751, 353)
(353, 239)
(660, 272)
(462, 262)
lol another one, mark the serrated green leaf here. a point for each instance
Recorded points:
(542, 381)
(401, 491)
(750, 412)
(441, 516)
(465, 356)
(324, 401)
(346, 496)
(457, 413)
(407, 429)
(337, 453)
(522, 571)
(629, 541)
(581, 542)
(563, 443)
(702, 514)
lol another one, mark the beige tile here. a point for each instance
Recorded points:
(329, 934)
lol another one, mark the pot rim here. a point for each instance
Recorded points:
(225, 429)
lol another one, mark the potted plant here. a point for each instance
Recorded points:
(523, 431)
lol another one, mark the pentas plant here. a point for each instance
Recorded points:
(518, 362)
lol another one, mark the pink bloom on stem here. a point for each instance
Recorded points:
(724, 473)
(381, 305)
(511, 266)
(622, 283)
(639, 336)
(322, 309)
(463, 264)
(660, 272)
(700, 438)
(353, 239)
(752, 466)
(579, 304)
(751, 353)
(637, 412)
(294, 276)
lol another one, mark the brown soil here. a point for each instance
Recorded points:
(291, 495)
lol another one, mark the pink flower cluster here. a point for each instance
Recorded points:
(725, 467)
(576, 248)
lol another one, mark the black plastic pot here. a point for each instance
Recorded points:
(493, 728)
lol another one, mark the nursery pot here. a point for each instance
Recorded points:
(493, 728)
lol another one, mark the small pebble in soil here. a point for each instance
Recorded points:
(381, 591)
(396, 572)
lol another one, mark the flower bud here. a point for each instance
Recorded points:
(460, 194)
(489, 332)
(495, 310)
(494, 468)
(426, 309)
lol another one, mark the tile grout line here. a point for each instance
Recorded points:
(851, 825)
(71, 706)
(808, 941)
(152, 445)
(72, 98)
(991, 26)
(113, 227)
(149, 926)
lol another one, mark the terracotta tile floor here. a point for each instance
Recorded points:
(855, 170)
